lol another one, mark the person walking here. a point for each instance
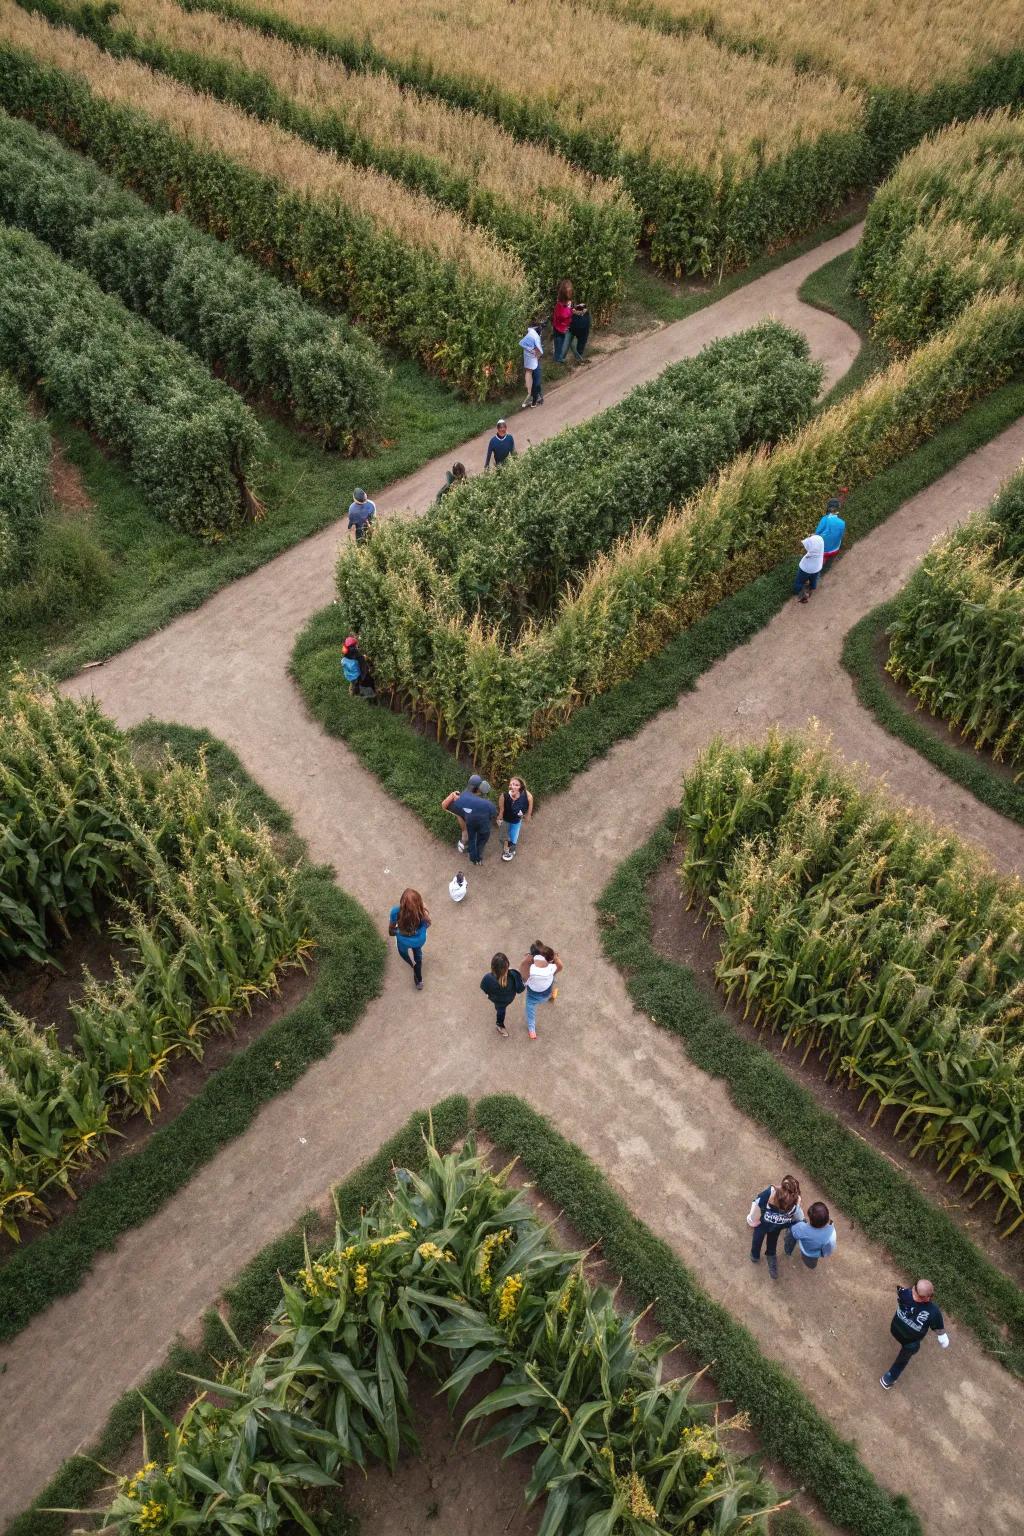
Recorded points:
(361, 513)
(408, 924)
(515, 807)
(776, 1209)
(832, 527)
(561, 319)
(533, 351)
(476, 814)
(916, 1315)
(454, 476)
(809, 569)
(579, 332)
(815, 1237)
(540, 967)
(502, 985)
(501, 446)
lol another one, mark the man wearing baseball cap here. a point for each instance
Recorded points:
(501, 446)
(360, 514)
(476, 814)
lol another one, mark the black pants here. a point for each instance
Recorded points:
(906, 1354)
(476, 840)
(758, 1236)
(414, 957)
(499, 1009)
(536, 386)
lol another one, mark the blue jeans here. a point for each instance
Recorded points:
(906, 1354)
(513, 828)
(476, 840)
(758, 1236)
(533, 1002)
(810, 577)
(561, 346)
(536, 386)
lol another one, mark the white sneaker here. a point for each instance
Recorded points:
(508, 855)
(460, 846)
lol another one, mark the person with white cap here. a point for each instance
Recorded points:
(501, 446)
(361, 513)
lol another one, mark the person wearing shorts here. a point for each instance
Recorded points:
(515, 807)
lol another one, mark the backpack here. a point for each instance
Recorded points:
(351, 668)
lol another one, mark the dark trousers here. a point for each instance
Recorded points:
(561, 343)
(414, 957)
(808, 578)
(500, 1011)
(758, 1236)
(906, 1354)
(476, 840)
(790, 1244)
(537, 387)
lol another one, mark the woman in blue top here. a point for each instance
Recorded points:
(408, 922)
(515, 806)
(773, 1211)
(815, 1237)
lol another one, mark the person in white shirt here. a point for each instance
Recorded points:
(539, 969)
(458, 885)
(533, 351)
(809, 569)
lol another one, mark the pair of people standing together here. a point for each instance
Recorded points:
(476, 814)
(535, 977)
(777, 1210)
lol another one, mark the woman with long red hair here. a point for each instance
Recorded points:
(408, 924)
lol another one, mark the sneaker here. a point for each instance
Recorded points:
(419, 986)
(773, 1266)
(508, 855)
(539, 400)
(755, 1258)
(460, 846)
(805, 598)
(886, 1381)
(526, 405)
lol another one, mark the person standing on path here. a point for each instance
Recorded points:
(533, 351)
(579, 332)
(501, 446)
(561, 319)
(515, 807)
(476, 813)
(816, 1237)
(408, 924)
(540, 966)
(361, 513)
(502, 985)
(809, 569)
(776, 1209)
(832, 527)
(916, 1314)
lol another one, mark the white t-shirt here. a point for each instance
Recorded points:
(541, 976)
(532, 349)
(456, 891)
(815, 556)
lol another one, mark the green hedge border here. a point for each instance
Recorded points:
(420, 772)
(791, 1428)
(870, 1190)
(249, 1303)
(350, 968)
(963, 765)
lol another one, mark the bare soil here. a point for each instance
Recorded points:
(678, 935)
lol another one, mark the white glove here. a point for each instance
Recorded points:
(943, 1340)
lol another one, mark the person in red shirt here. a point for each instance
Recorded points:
(561, 319)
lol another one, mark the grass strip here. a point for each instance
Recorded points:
(420, 772)
(872, 1192)
(248, 1306)
(790, 1428)
(962, 764)
(350, 965)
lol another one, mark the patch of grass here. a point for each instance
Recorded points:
(350, 960)
(790, 1428)
(869, 1188)
(966, 767)
(420, 772)
(829, 288)
(248, 1306)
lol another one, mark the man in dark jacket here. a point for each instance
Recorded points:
(916, 1315)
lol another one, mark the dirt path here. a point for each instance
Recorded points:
(670, 1138)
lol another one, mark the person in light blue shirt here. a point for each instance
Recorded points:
(831, 529)
(815, 1237)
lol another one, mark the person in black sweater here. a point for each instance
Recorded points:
(502, 985)
(916, 1315)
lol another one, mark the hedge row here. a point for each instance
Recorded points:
(560, 221)
(498, 698)
(255, 330)
(350, 960)
(957, 641)
(188, 440)
(946, 226)
(870, 1188)
(248, 1306)
(414, 273)
(24, 479)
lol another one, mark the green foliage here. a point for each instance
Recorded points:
(957, 638)
(790, 1428)
(190, 286)
(69, 573)
(455, 323)
(208, 917)
(24, 480)
(188, 440)
(248, 1303)
(864, 934)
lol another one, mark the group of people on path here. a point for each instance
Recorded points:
(477, 813)
(777, 1210)
(570, 327)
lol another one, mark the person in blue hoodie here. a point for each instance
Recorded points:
(832, 527)
(815, 1237)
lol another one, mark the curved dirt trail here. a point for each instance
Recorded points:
(669, 1137)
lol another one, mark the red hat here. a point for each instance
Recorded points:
(350, 640)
